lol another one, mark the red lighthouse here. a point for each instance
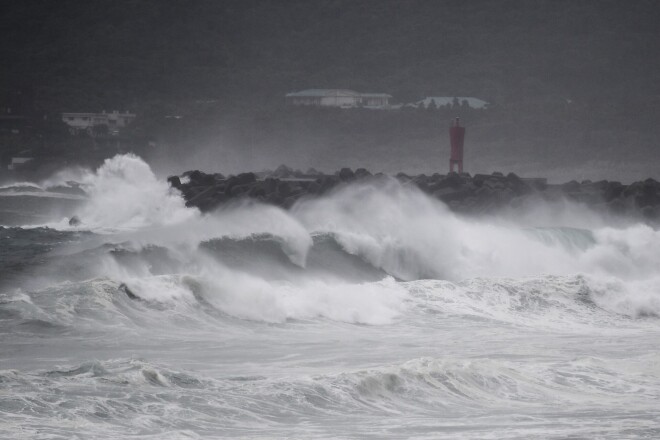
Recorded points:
(456, 137)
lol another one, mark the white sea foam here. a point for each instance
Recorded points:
(125, 194)
(246, 296)
(21, 185)
(485, 328)
(393, 227)
(411, 235)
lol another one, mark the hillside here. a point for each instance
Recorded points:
(564, 78)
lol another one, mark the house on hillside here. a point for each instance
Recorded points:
(375, 100)
(17, 162)
(341, 98)
(115, 121)
(450, 102)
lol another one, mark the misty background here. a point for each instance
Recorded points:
(573, 86)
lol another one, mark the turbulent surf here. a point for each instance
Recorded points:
(371, 312)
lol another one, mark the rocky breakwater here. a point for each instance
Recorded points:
(463, 193)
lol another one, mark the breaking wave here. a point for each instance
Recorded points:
(344, 256)
(373, 310)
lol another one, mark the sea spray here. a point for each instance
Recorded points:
(412, 236)
(392, 227)
(372, 309)
(125, 194)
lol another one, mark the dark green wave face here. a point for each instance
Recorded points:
(264, 254)
(572, 239)
(24, 251)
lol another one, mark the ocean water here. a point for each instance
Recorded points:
(373, 312)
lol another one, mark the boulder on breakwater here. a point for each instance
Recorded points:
(463, 193)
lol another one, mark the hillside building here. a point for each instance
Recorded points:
(115, 121)
(17, 162)
(341, 98)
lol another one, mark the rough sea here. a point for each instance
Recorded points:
(373, 312)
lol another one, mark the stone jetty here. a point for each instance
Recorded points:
(463, 193)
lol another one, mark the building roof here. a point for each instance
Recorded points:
(375, 95)
(448, 100)
(323, 92)
(336, 92)
(114, 113)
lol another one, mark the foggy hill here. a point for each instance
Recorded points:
(561, 75)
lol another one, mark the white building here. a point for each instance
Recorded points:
(341, 98)
(86, 121)
(17, 162)
(450, 101)
(375, 100)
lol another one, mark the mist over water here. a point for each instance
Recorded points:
(371, 312)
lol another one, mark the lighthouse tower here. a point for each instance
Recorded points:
(456, 137)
